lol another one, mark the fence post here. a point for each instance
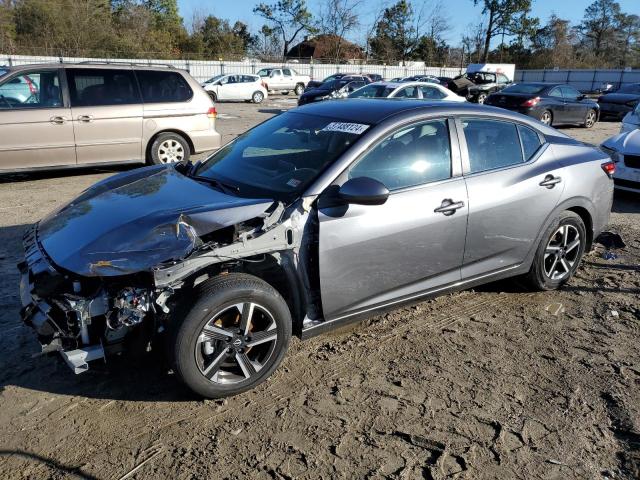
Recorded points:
(593, 79)
(221, 66)
(311, 67)
(10, 61)
(544, 74)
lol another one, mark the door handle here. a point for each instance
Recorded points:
(448, 207)
(85, 118)
(550, 181)
(58, 120)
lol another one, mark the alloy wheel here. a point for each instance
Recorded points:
(591, 119)
(546, 118)
(562, 252)
(170, 151)
(481, 98)
(258, 97)
(236, 343)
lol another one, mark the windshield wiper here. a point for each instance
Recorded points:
(222, 186)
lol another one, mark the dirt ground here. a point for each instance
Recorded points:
(492, 383)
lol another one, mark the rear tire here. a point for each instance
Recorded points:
(213, 96)
(257, 97)
(231, 336)
(559, 253)
(546, 117)
(590, 119)
(481, 98)
(169, 148)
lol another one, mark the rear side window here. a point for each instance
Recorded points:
(491, 144)
(96, 86)
(530, 141)
(163, 87)
(408, 92)
(411, 156)
(431, 93)
(249, 79)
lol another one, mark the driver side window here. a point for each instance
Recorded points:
(34, 89)
(411, 156)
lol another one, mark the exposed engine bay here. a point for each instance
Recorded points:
(91, 307)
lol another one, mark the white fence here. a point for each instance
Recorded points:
(583, 80)
(202, 70)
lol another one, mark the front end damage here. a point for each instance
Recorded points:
(88, 318)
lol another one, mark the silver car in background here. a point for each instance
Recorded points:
(319, 216)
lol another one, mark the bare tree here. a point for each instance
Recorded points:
(289, 18)
(337, 18)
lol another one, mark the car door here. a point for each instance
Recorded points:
(414, 242)
(557, 105)
(107, 115)
(513, 184)
(35, 120)
(276, 80)
(288, 80)
(234, 88)
(221, 89)
(575, 109)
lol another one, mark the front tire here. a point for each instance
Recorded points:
(231, 337)
(559, 253)
(169, 148)
(590, 119)
(299, 90)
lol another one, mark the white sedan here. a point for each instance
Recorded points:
(624, 150)
(236, 87)
(423, 90)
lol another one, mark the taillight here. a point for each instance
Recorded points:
(532, 102)
(212, 113)
(609, 168)
(32, 87)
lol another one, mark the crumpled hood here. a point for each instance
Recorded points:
(627, 143)
(135, 220)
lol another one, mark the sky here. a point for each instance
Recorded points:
(460, 12)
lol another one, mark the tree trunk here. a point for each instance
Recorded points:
(487, 38)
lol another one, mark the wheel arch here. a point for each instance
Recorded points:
(147, 151)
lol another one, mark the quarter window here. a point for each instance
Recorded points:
(96, 86)
(408, 92)
(36, 89)
(162, 87)
(530, 141)
(491, 144)
(412, 156)
(555, 93)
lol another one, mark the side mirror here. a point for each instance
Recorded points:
(363, 191)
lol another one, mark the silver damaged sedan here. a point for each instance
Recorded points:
(319, 216)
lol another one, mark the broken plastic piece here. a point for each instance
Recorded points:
(611, 240)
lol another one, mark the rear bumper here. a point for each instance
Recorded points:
(205, 140)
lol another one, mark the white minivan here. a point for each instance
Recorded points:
(236, 87)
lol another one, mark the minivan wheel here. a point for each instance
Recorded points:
(231, 337)
(169, 148)
(559, 253)
(257, 97)
(299, 90)
(590, 119)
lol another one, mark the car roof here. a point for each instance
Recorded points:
(374, 111)
(96, 65)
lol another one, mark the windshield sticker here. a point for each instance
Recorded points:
(294, 182)
(355, 128)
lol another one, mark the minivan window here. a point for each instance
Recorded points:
(100, 87)
(491, 144)
(163, 87)
(413, 156)
(33, 89)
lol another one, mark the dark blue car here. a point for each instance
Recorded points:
(552, 104)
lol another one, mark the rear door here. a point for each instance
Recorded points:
(35, 120)
(513, 183)
(374, 255)
(107, 115)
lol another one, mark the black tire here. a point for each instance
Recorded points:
(590, 118)
(299, 90)
(285, 92)
(221, 294)
(481, 98)
(546, 117)
(213, 96)
(257, 97)
(538, 276)
(169, 147)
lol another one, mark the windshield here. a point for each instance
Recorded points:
(372, 91)
(524, 88)
(282, 156)
(214, 79)
(633, 88)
